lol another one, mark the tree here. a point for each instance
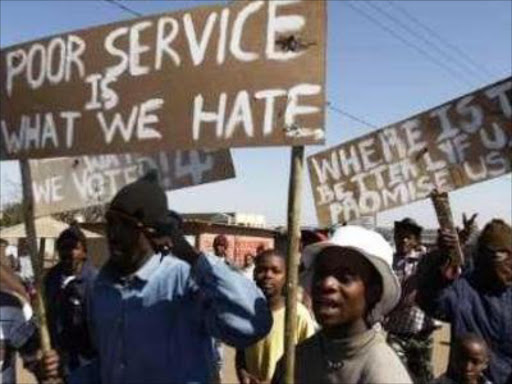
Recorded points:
(12, 214)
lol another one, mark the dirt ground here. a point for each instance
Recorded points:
(440, 359)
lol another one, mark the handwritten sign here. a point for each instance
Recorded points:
(66, 184)
(248, 74)
(465, 141)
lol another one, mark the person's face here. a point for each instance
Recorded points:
(503, 268)
(498, 264)
(470, 360)
(220, 249)
(73, 255)
(339, 291)
(406, 241)
(269, 274)
(127, 244)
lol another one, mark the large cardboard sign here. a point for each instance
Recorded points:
(248, 74)
(66, 184)
(465, 141)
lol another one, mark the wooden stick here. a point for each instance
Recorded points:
(293, 259)
(445, 218)
(37, 264)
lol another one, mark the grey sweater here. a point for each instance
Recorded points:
(365, 358)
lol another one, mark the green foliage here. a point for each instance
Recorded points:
(12, 214)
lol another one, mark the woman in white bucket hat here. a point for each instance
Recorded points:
(352, 286)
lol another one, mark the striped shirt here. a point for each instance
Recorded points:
(17, 331)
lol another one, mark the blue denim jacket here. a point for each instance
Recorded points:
(157, 326)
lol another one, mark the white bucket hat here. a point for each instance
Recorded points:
(371, 245)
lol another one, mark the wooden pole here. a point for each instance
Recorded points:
(293, 259)
(445, 218)
(37, 263)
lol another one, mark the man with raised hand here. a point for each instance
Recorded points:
(157, 303)
(478, 301)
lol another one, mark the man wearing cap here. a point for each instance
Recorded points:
(409, 328)
(352, 286)
(157, 303)
(479, 301)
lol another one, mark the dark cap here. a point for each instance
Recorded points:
(409, 224)
(496, 236)
(143, 200)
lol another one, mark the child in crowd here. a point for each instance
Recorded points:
(470, 359)
(256, 363)
(353, 287)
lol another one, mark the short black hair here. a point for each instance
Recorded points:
(71, 234)
(268, 253)
(220, 240)
(459, 341)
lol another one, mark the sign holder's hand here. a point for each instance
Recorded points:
(170, 237)
(447, 242)
(448, 232)
(49, 366)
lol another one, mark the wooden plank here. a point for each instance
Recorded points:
(293, 260)
(37, 263)
(212, 77)
(462, 142)
(66, 184)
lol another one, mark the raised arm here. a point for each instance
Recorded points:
(236, 310)
(436, 274)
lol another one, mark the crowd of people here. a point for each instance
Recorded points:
(160, 311)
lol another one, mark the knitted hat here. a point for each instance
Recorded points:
(496, 236)
(409, 224)
(143, 200)
(372, 246)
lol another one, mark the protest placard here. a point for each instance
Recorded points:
(66, 184)
(248, 74)
(462, 142)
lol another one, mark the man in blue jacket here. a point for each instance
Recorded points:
(479, 301)
(157, 303)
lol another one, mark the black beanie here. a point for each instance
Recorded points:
(143, 200)
(409, 224)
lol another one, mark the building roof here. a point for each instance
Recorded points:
(46, 227)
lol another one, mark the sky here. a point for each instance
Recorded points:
(379, 70)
